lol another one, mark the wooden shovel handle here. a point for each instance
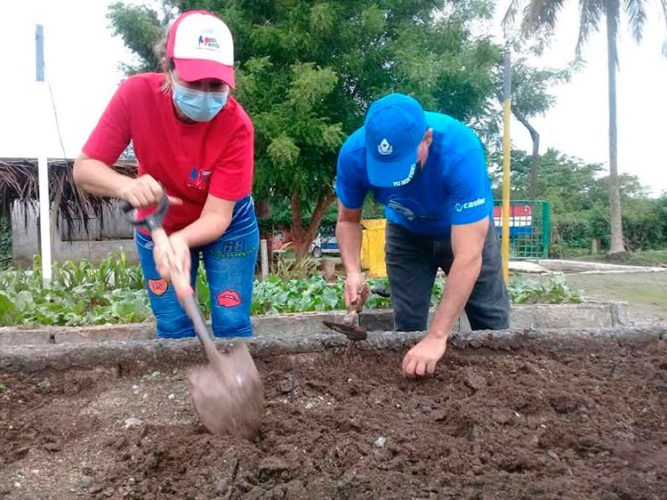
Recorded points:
(179, 278)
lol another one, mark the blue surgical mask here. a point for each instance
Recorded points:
(198, 105)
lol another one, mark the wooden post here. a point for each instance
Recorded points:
(264, 255)
(595, 246)
(329, 269)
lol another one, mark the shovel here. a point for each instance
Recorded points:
(350, 326)
(227, 393)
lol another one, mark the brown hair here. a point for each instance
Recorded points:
(160, 52)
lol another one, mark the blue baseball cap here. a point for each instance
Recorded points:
(394, 127)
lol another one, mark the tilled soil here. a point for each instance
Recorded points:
(567, 418)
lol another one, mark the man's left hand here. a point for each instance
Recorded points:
(422, 358)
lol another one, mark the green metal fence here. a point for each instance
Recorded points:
(530, 224)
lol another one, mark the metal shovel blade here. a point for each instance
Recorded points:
(228, 394)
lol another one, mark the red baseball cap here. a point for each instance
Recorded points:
(201, 46)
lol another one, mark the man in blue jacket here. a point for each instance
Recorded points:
(429, 171)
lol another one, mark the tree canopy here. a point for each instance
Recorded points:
(307, 71)
(578, 195)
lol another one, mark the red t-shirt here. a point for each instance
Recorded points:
(191, 160)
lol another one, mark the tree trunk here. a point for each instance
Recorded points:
(535, 159)
(616, 244)
(303, 237)
(262, 209)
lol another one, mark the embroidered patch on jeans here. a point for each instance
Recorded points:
(229, 298)
(158, 287)
(231, 249)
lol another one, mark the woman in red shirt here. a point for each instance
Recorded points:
(193, 138)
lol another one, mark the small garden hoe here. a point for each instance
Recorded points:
(227, 394)
(350, 326)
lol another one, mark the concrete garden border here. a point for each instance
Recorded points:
(585, 267)
(137, 355)
(586, 315)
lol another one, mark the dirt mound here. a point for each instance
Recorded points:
(565, 419)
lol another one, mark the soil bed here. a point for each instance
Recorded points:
(559, 418)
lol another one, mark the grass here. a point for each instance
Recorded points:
(645, 293)
(649, 258)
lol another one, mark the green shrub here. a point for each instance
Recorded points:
(112, 292)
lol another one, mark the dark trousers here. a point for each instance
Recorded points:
(412, 263)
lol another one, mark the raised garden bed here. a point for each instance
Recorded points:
(506, 416)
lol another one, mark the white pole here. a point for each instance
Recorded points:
(42, 165)
(44, 220)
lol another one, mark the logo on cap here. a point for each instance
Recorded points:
(208, 42)
(384, 148)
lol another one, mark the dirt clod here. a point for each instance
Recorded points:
(53, 447)
(132, 422)
(501, 416)
(85, 482)
(474, 381)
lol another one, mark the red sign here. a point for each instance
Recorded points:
(515, 211)
(520, 218)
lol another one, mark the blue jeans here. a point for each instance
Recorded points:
(229, 262)
(412, 263)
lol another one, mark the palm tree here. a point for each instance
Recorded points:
(541, 16)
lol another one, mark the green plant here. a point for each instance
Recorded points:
(153, 377)
(288, 269)
(203, 292)
(275, 295)
(5, 241)
(554, 291)
(79, 294)
(112, 292)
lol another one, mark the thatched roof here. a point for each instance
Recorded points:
(19, 181)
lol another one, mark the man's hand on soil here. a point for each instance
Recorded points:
(422, 358)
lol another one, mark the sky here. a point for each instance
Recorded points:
(83, 57)
(578, 124)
